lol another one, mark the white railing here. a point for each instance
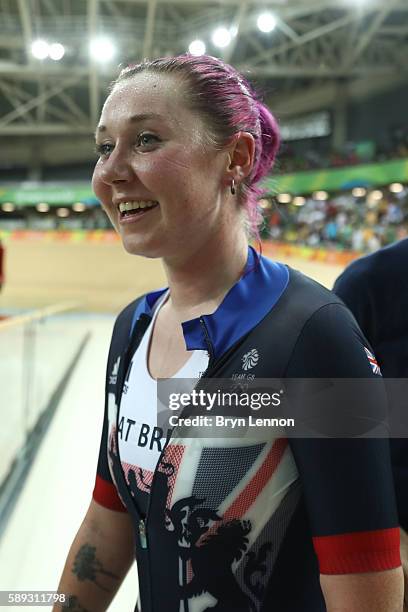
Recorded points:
(36, 351)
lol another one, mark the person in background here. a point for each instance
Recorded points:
(375, 289)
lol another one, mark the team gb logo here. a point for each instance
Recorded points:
(250, 359)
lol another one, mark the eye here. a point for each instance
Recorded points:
(104, 149)
(145, 139)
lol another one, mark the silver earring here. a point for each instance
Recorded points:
(233, 187)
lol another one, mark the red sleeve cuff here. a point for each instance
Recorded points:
(355, 553)
(105, 493)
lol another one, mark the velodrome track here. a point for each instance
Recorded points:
(101, 277)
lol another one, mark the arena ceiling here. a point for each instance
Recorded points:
(320, 52)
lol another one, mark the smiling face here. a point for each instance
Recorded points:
(152, 158)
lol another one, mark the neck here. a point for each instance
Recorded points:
(199, 280)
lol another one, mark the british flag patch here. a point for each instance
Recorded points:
(373, 362)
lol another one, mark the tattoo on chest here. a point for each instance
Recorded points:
(88, 567)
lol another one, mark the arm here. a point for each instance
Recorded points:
(382, 591)
(99, 559)
(404, 559)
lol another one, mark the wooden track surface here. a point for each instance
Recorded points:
(102, 277)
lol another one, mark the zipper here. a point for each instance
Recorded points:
(208, 343)
(139, 329)
(142, 533)
(144, 523)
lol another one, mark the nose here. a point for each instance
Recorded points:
(116, 168)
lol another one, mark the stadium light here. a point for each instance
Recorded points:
(197, 47)
(40, 49)
(299, 201)
(359, 3)
(42, 207)
(8, 207)
(264, 204)
(284, 198)
(221, 37)
(359, 192)
(320, 195)
(396, 188)
(266, 22)
(102, 49)
(377, 194)
(78, 207)
(62, 212)
(56, 51)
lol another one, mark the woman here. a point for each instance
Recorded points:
(221, 524)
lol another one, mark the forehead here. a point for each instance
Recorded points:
(147, 94)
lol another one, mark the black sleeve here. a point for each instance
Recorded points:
(105, 491)
(347, 482)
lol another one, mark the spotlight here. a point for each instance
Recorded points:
(299, 201)
(56, 51)
(264, 204)
(40, 49)
(102, 49)
(396, 188)
(376, 194)
(320, 195)
(359, 192)
(8, 207)
(221, 37)
(42, 207)
(197, 47)
(266, 22)
(62, 212)
(284, 198)
(78, 207)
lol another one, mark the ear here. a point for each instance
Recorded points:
(241, 155)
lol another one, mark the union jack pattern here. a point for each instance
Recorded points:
(373, 362)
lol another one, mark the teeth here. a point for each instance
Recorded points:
(125, 206)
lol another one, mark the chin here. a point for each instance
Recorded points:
(144, 248)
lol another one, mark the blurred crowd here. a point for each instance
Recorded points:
(359, 220)
(352, 154)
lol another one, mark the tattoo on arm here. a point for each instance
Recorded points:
(87, 567)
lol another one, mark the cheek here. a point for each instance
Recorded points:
(173, 162)
(103, 192)
(164, 167)
(180, 160)
(99, 187)
(96, 180)
(180, 177)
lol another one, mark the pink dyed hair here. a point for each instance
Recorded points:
(228, 104)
